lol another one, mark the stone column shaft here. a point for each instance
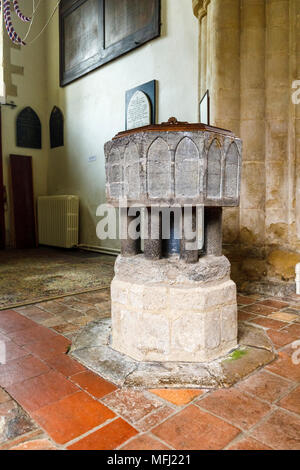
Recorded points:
(153, 244)
(129, 247)
(213, 231)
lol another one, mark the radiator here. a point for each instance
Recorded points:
(58, 220)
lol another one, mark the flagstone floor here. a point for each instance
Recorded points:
(50, 401)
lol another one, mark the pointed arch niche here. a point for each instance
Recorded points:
(56, 125)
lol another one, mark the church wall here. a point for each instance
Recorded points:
(25, 81)
(94, 106)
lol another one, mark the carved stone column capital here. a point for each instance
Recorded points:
(200, 8)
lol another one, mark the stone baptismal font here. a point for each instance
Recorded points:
(173, 305)
(170, 303)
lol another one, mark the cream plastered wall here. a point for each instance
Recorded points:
(94, 106)
(249, 59)
(25, 81)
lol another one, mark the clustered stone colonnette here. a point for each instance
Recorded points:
(178, 307)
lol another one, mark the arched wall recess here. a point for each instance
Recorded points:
(29, 129)
(56, 128)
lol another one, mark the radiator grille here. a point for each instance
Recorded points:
(58, 221)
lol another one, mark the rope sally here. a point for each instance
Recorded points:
(13, 35)
(24, 18)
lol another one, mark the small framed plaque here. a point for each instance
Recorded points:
(140, 106)
(204, 109)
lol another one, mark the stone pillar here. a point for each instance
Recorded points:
(252, 209)
(153, 244)
(186, 253)
(129, 247)
(213, 231)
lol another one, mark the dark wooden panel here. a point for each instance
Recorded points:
(23, 211)
(94, 32)
(56, 125)
(2, 221)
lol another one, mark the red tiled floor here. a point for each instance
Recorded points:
(20, 370)
(293, 330)
(280, 431)
(65, 365)
(244, 300)
(194, 429)
(269, 323)
(34, 334)
(280, 338)
(49, 348)
(3, 396)
(178, 397)
(109, 437)
(265, 386)
(276, 304)
(12, 351)
(145, 442)
(93, 384)
(284, 366)
(4, 337)
(72, 416)
(292, 401)
(238, 408)
(40, 391)
(244, 316)
(248, 444)
(131, 404)
(153, 419)
(259, 309)
(12, 321)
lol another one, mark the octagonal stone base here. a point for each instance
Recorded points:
(168, 311)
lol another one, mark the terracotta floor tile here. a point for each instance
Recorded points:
(36, 434)
(265, 386)
(65, 365)
(284, 366)
(40, 391)
(276, 304)
(259, 309)
(244, 300)
(283, 316)
(21, 369)
(238, 408)
(109, 437)
(248, 444)
(153, 419)
(4, 396)
(34, 334)
(93, 384)
(280, 338)
(292, 401)
(72, 416)
(50, 347)
(178, 397)
(132, 405)
(281, 431)
(12, 351)
(194, 429)
(294, 330)
(245, 316)
(267, 323)
(145, 442)
(4, 338)
(35, 444)
(12, 321)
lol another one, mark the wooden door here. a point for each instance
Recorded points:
(2, 220)
(23, 211)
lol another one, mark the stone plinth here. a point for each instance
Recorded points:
(168, 310)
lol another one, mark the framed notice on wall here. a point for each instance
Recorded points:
(94, 32)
